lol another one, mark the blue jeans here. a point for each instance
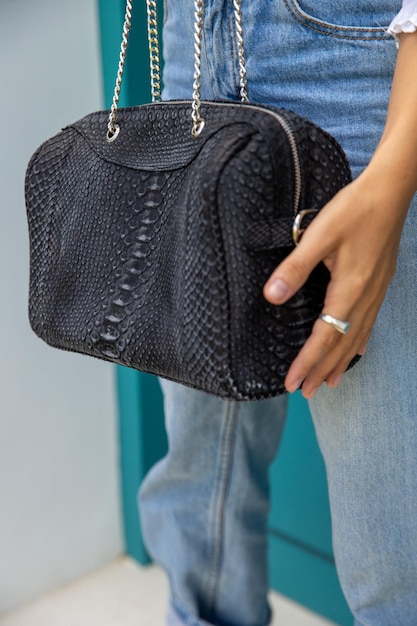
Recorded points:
(204, 506)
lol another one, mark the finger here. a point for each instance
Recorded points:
(334, 378)
(320, 375)
(331, 366)
(323, 341)
(324, 338)
(292, 273)
(364, 322)
(327, 351)
(329, 369)
(364, 344)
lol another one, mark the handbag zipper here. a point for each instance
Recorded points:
(296, 158)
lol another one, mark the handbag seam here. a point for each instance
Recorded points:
(104, 157)
(231, 377)
(54, 195)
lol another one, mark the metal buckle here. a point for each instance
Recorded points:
(297, 231)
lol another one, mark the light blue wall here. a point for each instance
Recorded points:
(59, 507)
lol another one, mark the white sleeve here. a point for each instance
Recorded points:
(406, 20)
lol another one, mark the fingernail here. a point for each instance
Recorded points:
(335, 381)
(310, 395)
(277, 289)
(294, 386)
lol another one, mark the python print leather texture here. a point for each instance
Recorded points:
(152, 251)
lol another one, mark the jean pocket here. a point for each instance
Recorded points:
(345, 19)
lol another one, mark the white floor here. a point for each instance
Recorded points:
(124, 594)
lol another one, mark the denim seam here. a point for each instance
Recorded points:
(231, 53)
(340, 32)
(210, 75)
(221, 489)
(165, 13)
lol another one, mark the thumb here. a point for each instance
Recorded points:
(289, 276)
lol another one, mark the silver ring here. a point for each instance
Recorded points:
(339, 325)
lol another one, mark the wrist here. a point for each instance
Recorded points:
(385, 189)
(393, 167)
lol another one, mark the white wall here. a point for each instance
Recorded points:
(59, 499)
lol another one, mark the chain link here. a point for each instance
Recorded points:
(237, 6)
(198, 122)
(112, 128)
(153, 40)
(154, 57)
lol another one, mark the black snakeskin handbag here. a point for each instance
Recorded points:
(151, 239)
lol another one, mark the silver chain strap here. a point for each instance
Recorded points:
(153, 40)
(198, 122)
(154, 56)
(237, 5)
(112, 128)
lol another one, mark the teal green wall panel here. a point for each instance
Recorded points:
(307, 579)
(136, 81)
(142, 443)
(110, 18)
(300, 505)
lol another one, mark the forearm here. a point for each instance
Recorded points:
(396, 155)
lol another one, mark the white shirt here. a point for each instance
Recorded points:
(406, 20)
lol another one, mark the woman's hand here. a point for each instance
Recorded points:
(357, 236)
